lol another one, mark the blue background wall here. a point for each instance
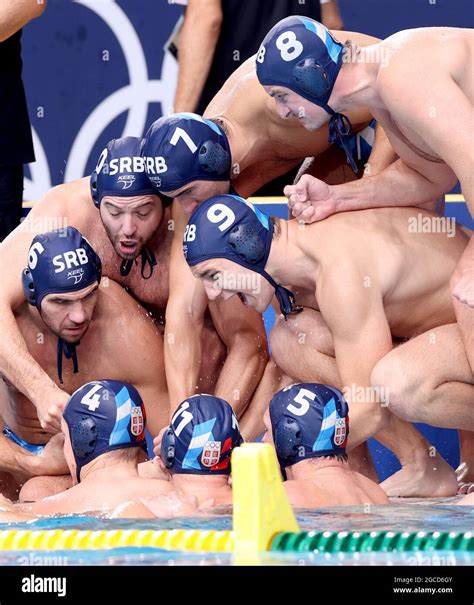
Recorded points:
(96, 70)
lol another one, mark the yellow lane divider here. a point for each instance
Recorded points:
(260, 511)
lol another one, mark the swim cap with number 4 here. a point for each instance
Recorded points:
(185, 147)
(103, 416)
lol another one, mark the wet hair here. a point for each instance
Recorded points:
(276, 226)
(220, 123)
(349, 52)
(338, 457)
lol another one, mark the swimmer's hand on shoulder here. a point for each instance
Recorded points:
(50, 408)
(51, 461)
(310, 200)
(157, 447)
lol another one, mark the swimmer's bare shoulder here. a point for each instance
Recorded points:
(123, 320)
(375, 493)
(61, 206)
(441, 52)
(297, 492)
(358, 37)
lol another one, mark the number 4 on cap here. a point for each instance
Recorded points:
(91, 398)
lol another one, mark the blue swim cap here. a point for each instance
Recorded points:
(301, 54)
(229, 227)
(199, 441)
(120, 171)
(59, 261)
(102, 416)
(308, 421)
(185, 147)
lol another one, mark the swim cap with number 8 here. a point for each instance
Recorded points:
(302, 55)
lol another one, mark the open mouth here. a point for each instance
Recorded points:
(76, 329)
(128, 246)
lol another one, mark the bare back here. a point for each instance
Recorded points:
(264, 145)
(381, 250)
(333, 486)
(100, 495)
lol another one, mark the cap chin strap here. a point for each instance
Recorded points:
(69, 351)
(285, 297)
(148, 258)
(340, 131)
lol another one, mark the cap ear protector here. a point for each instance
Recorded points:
(312, 78)
(214, 158)
(83, 435)
(247, 243)
(287, 439)
(94, 191)
(168, 448)
(28, 286)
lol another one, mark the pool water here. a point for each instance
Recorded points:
(400, 515)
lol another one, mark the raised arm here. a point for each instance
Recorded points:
(197, 43)
(185, 311)
(242, 330)
(15, 14)
(16, 363)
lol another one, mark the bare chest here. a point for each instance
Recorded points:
(408, 145)
(149, 288)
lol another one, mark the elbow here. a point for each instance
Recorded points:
(252, 347)
(381, 419)
(38, 8)
(41, 7)
(205, 22)
(451, 182)
(214, 22)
